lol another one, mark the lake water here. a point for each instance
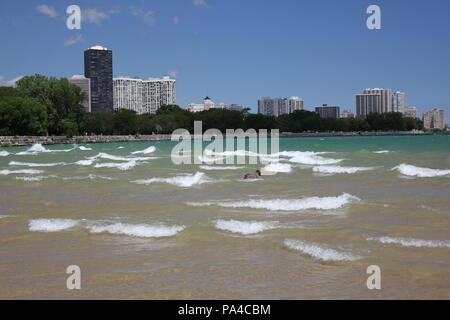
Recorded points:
(141, 227)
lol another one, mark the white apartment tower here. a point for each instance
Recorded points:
(278, 106)
(143, 96)
(379, 101)
(398, 102)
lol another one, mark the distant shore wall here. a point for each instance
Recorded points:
(8, 141)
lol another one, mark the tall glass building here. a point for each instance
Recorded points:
(98, 68)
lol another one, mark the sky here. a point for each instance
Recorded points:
(237, 51)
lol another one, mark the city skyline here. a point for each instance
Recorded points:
(226, 59)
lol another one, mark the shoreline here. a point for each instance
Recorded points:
(18, 141)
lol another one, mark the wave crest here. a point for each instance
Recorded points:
(319, 251)
(138, 230)
(413, 171)
(180, 181)
(410, 242)
(51, 225)
(244, 227)
(320, 203)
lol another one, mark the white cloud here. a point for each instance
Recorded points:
(173, 74)
(9, 83)
(47, 10)
(73, 40)
(176, 20)
(198, 3)
(147, 16)
(93, 16)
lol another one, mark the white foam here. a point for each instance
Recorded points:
(121, 166)
(120, 147)
(206, 167)
(150, 149)
(108, 156)
(277, 167)
(309, 157)
(413, 171)
(90, 176)
(30, 164)
(2, 216)
(181, 181)
(4, 153)
(138, 230)
(244, 227)
(83, 148)
(381, 151)
(25, 171)
(340, 169)
(51, 225)
(35, 178)
(85, 162)
(320, 203)
(410, 242)
(319, 251)
(39, 148)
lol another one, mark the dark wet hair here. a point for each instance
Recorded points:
(258, 172)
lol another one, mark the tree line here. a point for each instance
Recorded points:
(48, 106)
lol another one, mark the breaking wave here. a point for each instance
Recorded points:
(85, 162)
(36, 178)
(340, 169)
(30, 164)
(410, 242)
(39, 148)
(320, 203)
(309, 157)
(90, 177)
(83, 148)
(25, 171)
(318, 251)
(51, 225)
(381, 151)
(145, 151)
(413, 171)
(108, 156)
(181, 181)
(138, 230)
(244, 227)
(4, 153)
(277, 167)
(121, 166)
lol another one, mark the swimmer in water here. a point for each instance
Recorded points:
(255, 175)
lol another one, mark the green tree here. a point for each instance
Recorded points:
(22, 116)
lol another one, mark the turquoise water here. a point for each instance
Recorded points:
(140, 226)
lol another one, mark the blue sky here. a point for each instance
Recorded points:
(237, 51)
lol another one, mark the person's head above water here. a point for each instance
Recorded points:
(255, 175)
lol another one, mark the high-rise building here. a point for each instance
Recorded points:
(158, 92)
(374, 101)
(98, 68)
(410, 112)
(143, 96)
(434, 119)
(398, 101)
(278, 106)
(85, 86)
(295, 103)
(326, 111)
